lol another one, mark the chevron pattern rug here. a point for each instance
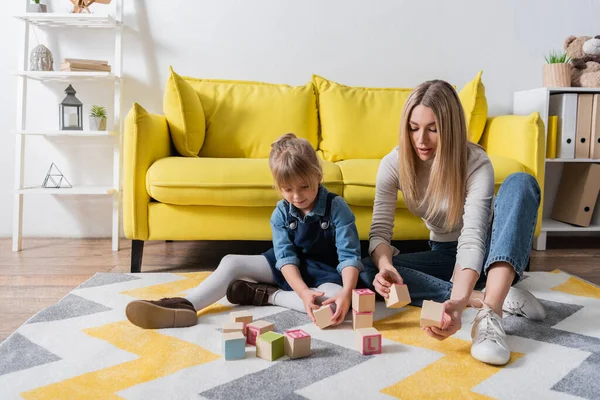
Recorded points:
(84, 348)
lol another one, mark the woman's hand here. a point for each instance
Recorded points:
(385, 278)
(342, 303)
(452, 320)
(308, 297)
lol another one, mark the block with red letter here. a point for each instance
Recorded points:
(323, 316)
(399, 297)
(257, 328)
(363, 300)
(368, 341)
(432, 314)
(297, 343)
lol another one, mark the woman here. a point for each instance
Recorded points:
(449, 182)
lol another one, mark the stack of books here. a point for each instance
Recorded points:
(74, 64)
(574, 126)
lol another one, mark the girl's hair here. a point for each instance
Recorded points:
(447, 180)
(293, 160)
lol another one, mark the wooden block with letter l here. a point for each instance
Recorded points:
(363, 300)
(432, 314)
(233, 327)
(368, 341)
(297, 343)
(323, 316)
(241, 316)
(257, 328)
(362, 320)
(234, 346)
(270, 346)
(399, 296)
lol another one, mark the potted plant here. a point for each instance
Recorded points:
(557, 70)
(35, 6)
(98, 118)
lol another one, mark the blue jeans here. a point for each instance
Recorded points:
(427, 274)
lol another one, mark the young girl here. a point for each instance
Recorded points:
(315, 257)
(449, 183)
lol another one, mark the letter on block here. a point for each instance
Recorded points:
(363, 300)
(432, 314)
(241, 316)
(368, 341)
(297, 343)
(399, 297)
(269, 346)
(257, 328)
(362, 320)
(323, 316)
(234, 346)
(233, 327)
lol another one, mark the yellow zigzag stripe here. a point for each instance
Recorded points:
(451, 377)
(160, 355)
(578, 287)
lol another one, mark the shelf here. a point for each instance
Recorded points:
(555, 90)
(550, 225)
(77, 190)
(59, 20)
(66, 76)
(565, 160)
(67, 133)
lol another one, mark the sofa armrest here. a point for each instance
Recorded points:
(522, 138)
(146, 139)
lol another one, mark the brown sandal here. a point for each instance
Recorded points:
(173, 312)
(250, 293)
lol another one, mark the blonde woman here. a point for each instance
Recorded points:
(474, 238)
(315, 259)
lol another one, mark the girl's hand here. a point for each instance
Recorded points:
(308, 298)
(384, 280)
(342, 303)
(452, 320)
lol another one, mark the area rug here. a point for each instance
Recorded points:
(84, 348)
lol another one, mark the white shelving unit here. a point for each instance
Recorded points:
(114, 79)
(526, 102)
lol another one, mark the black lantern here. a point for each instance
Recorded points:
(71, 112)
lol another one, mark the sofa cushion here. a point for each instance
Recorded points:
(244, 118)
(243, 182)
(358, 122)
(472, 98)
(184, 115)
(503, 167)
(359, 182)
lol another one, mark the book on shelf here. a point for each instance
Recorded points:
(564, 106)
(71, 66)
(552, 132)
(584, 125)
(595, 134)
(84, 61)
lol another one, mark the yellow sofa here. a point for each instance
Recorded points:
(200, 171)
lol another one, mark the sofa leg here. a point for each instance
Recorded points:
(137, 251)
(169, 241)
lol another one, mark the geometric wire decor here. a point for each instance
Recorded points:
(55, 179)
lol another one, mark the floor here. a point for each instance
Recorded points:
(47, 269)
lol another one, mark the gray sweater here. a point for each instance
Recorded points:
(471, 233)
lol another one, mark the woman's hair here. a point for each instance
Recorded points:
(447, 181)
(293, 160)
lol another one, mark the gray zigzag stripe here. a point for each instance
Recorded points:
(582, 381)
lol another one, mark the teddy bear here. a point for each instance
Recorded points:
(584, 52)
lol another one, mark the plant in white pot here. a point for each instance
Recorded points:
(557, 70)
(36, 6)
(98, 118)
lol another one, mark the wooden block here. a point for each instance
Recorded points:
(432, 314)
(233, 327)
(323, 316)
(297, 343)
(363, 300)
(368, 341)
(270, 346)
(399, 297)
(234, 346)
(241, 316)
(362, 320)
(257, 328)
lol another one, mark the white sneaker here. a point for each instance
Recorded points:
(489, 339)
(522, 303)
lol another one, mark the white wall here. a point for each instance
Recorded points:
(370, 43)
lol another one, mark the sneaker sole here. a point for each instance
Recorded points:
(152, 316)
